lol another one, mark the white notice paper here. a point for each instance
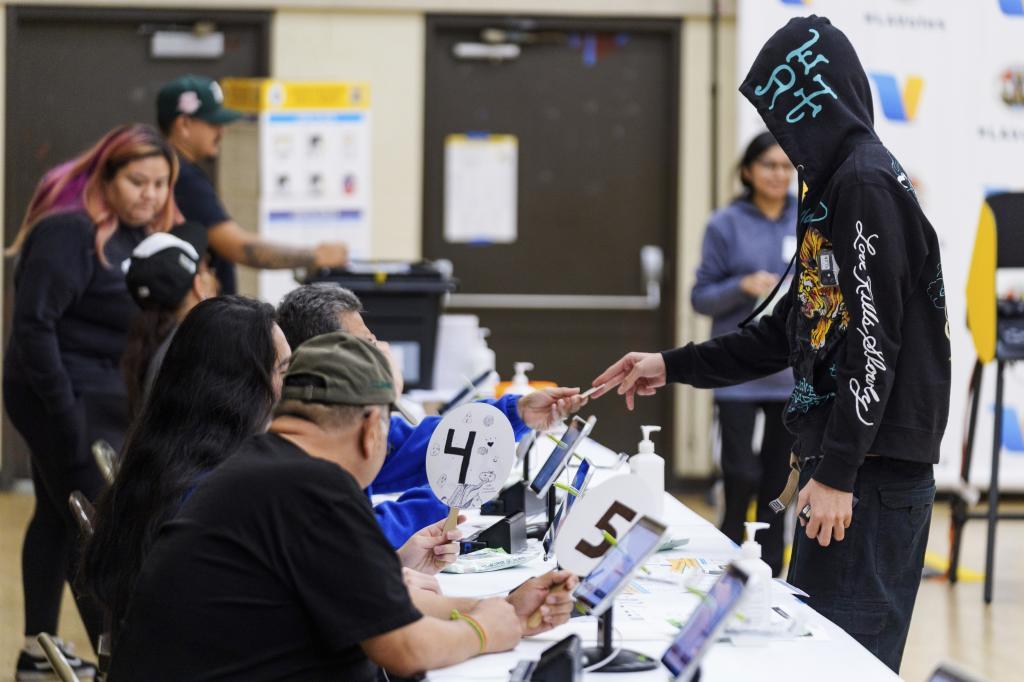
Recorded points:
(480, 188)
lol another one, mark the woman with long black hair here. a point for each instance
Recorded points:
(216, 387)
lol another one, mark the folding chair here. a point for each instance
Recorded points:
(57, 661)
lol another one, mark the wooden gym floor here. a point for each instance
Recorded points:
(950, 623)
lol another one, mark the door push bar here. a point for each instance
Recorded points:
(652, 266)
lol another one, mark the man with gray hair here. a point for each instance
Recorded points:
(315, 309)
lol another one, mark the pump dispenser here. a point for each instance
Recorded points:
(757, 602)
(650, 467)
(520, 382)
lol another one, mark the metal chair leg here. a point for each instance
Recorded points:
(958, 503)
(993, 486)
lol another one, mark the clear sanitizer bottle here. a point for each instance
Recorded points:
(757, 603)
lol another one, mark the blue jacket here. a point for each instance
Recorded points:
(405, 471)
(740, 240)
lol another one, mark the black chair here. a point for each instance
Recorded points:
(106, 459)
(85, 515)
(997, 329)
(83, 511)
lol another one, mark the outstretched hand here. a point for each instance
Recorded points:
(541, 410)
(634, 374)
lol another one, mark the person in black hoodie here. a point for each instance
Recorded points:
(864, 329)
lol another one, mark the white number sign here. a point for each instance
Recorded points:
(613, 507)
(470, 455)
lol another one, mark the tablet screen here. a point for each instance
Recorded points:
(704, 623)
(556, 461)
(579, 484)
(619, 563)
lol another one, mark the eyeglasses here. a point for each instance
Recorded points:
(772, 166)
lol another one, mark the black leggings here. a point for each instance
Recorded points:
(62, 462)
(745, 474)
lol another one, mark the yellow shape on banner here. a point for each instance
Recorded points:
(912, 96)
(981, 287)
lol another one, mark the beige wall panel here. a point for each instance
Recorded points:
(387, 51)
(694, 407)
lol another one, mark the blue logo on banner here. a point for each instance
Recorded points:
(1011, 7)
(1013, 437)
(898, 104)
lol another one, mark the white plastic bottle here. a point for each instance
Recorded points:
(757, 602)
(520, 382)
(650, 468)
(483, 360)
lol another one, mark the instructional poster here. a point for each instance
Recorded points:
(481, 188)
(314, 179)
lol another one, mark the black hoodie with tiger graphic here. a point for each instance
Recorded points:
(864, 324)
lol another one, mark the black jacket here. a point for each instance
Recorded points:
(71, 313)
(870, 354)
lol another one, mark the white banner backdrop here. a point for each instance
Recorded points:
(947, 80)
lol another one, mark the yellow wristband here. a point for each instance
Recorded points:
(477, 628)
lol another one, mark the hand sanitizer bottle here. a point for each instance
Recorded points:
(757, 603)
(650, 468)
(520, 382)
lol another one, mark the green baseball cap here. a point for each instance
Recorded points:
(194, 96)
(341, 369)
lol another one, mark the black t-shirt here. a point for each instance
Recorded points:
(275, 568)
(198, 201)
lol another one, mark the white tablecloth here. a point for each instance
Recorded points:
(830, 655)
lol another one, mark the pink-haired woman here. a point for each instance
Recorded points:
(62, 384)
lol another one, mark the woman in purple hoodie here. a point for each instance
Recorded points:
(747, 246)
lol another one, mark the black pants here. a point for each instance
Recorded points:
(867, 584)
(746, 475)
(62, 462)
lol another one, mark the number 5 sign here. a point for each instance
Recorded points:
(612, 507)
(470, 455)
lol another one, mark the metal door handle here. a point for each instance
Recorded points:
(652, 266)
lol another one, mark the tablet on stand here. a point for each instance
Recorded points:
(696, 637)
(597, 591)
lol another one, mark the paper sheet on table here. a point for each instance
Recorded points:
(480, 188)
(485, 560)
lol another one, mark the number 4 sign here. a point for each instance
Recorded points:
(470, 455)
(611, 508)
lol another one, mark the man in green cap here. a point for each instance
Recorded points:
(192, 115)
(276, 567)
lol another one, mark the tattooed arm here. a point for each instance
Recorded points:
(237, 245)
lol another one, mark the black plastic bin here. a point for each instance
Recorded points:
(401, 305)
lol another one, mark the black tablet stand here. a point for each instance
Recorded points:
(508, 534)
(625, 661)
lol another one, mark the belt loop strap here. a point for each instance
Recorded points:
(779, 504)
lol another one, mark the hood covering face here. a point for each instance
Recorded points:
(811, 90)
